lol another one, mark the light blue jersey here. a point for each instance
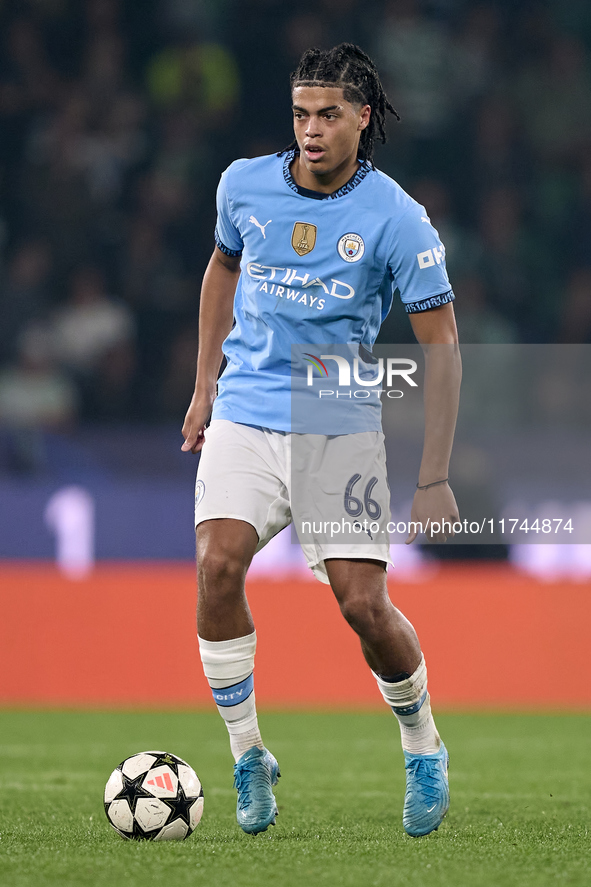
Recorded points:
(314, 271)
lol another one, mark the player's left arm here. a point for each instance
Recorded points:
(436, 332)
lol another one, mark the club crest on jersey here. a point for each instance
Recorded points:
(303, 238)
(351, 247)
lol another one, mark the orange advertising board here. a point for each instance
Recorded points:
(125, 636)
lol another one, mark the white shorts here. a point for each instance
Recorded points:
(334, 489)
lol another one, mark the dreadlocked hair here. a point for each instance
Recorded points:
(348, 67)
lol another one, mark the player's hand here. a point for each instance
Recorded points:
(433, 507)
(194, 425)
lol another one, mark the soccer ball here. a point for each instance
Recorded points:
(154, 796)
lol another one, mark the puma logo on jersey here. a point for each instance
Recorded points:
(258, 224)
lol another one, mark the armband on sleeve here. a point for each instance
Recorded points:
(431, 302)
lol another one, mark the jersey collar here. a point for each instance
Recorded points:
(344, 189)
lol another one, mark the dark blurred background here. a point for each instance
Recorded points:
(118, 116)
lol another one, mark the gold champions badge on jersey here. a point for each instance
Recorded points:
(303, 238)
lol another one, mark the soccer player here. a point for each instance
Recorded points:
(311, 243)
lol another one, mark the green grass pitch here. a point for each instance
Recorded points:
(520, 789)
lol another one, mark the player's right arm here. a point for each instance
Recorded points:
(216, 314)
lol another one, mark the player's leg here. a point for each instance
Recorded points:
(227, 638)
(392, 651)
(225, 548)
(238, 507)
(388, 641)
(227, 644)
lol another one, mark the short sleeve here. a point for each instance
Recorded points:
(227, 236)
(417, 263)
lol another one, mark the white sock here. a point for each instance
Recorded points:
(228, 667)
(410, 702)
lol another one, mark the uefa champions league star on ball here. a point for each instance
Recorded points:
(311, 244)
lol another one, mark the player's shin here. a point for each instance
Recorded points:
(409, 700)
(228, 667)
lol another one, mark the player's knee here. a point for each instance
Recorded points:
(222, 570)
(362, 611)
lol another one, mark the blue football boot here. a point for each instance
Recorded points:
(427, 792)
(254, 775)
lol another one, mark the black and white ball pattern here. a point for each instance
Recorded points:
(154, 796)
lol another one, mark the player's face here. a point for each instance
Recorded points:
(327, 129)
